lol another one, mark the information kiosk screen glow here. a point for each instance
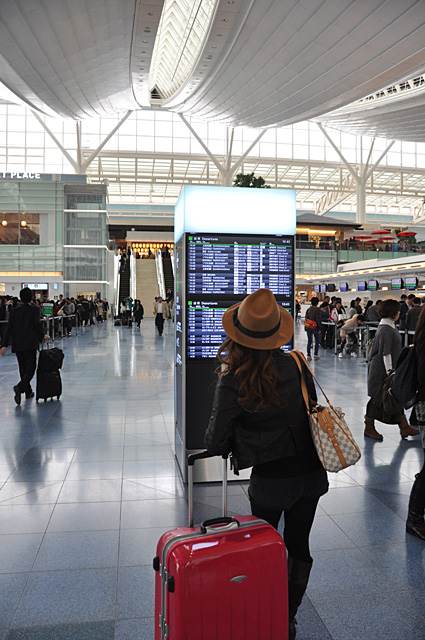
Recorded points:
(232, 265)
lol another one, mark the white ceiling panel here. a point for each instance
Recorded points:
(265, 62)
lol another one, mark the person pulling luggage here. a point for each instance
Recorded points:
(260, 418)
(25, 330)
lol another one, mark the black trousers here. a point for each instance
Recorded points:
(298, 523)
(27, 361)
(159, 321)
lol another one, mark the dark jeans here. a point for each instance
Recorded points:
(310, 335)
(298, 522)
(159, 321)
(27, 361)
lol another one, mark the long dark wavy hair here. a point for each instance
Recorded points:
(256, 373)
(420, 327)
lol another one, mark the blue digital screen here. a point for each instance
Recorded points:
(232, 265)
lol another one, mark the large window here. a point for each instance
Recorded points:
(85, 227)
(19, 228)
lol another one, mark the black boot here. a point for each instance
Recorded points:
(415, 524)
(298, 575)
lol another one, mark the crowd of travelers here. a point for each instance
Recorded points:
(79, 311)
(324, 319)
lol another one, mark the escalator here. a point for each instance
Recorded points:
(124, 282)
(168, 274)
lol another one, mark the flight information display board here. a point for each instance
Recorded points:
(233, 265)
(205, 331)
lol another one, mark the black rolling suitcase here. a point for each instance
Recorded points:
(49, 383)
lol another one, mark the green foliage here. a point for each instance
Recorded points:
(249, 180)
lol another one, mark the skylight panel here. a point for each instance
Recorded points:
(182, 32)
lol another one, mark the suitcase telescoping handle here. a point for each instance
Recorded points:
(191, 459)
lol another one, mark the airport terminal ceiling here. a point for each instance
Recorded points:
(257, 63)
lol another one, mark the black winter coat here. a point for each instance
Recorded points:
(254, 438)
(24, 328)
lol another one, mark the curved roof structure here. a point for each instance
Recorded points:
(263, 62)
(396, 112)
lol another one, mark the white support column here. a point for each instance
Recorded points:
(79, 166)
(361, 201)
(79, 155)
(56, 141)
(238, 163)
(203, 145)
(227, 172)
(360, 178)
(93, 155)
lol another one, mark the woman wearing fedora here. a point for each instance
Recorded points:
(259, 417)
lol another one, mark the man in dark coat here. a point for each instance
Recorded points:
(26, 331)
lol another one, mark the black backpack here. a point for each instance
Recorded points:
(404, 385)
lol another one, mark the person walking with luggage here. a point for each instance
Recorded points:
(158, 312)
(259, 416)
(415, 524)
(383, 358)
(25, 330)
(313, 326)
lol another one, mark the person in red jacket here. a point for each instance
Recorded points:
(313, 326)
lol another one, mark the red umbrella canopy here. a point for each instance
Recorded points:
(387, 239)
(381, 232)
(406, 234)
(363, 237)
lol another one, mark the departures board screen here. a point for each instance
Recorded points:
(205, 331)
(234, 265)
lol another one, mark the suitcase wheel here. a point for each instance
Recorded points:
(58, 397)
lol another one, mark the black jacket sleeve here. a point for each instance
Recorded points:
(420, 355)
(7, 333)
(219, 434)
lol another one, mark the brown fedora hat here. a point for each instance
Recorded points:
(258, 322)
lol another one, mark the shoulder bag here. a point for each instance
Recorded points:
(310, 325)
(332, 437)
(404, 384)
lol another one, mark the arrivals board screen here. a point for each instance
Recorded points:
(205, 331)
(233, 265)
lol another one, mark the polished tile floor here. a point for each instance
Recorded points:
(88, 484)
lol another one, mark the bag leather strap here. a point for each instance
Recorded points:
(297, 355)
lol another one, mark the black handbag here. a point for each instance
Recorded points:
(404, 383)
(383, 406)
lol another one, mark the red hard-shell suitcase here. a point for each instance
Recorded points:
(224, 580)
